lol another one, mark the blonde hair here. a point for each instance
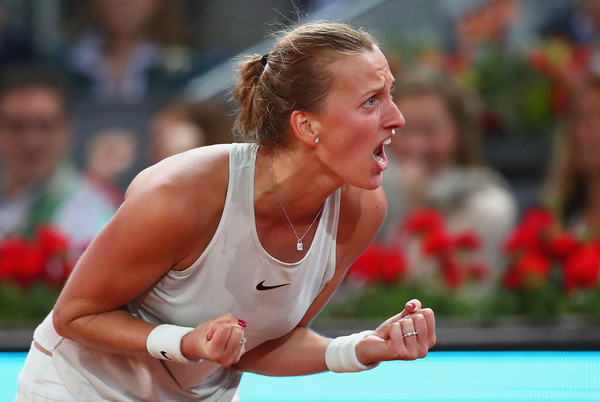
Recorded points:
(294, 76)
(565, 191)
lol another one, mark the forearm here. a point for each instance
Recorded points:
(300, 352)
(114, 331)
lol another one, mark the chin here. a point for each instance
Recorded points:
(373, 184)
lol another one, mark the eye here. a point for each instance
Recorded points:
(369, 102)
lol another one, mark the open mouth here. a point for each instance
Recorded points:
(379, 153)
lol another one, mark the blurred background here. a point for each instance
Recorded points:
(493, 185)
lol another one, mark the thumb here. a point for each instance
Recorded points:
(411, 307)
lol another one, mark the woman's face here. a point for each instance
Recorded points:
(586, 134)
(428, 141)
(357, 119)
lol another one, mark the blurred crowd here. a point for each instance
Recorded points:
(78, 121)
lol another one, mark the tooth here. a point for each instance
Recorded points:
(387, 142)
(379, 158)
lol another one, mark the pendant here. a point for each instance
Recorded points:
(299, 245)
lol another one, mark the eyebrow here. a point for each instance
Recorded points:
(375, 89)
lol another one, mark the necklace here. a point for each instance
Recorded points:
(299, 244)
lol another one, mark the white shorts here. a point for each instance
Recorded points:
(39, 380)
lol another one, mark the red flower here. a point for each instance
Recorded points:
(12, 252)
(366, 266)
(581, 270)
(51, 241)
(45, 258)
(454, 275)
(424, 221)
(478, 270)
(539, 218)
(530, 234)
(32, 265)
(562, 245)
(20, 261)
(529, 271)
(379, 264)
(436, 242)
(393, 266)
(467, 240)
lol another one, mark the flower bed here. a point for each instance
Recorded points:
(549, 273)
(32, 272)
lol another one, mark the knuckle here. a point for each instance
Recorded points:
(229, 317)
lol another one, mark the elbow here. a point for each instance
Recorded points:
(61, 321)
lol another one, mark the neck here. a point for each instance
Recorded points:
(292, 180)
(118, 52)
(122, 43)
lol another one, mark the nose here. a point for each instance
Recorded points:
(396, 117)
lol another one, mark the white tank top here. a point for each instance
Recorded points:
(233, 275)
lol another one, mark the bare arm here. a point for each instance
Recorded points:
(157, 229)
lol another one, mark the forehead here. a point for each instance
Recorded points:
(31, 98)
(361, 73)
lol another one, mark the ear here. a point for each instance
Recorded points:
(304, 127)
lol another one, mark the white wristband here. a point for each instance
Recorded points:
(164, 342)
(340, 355)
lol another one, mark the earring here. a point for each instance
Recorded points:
(317, 139)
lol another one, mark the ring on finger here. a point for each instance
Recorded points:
(412, 333)
(243, 341)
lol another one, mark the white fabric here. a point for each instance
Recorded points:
(340, 355)
(164, 342)
(39, 381)
(224, 279)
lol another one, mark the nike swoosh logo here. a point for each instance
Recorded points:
(165, 355)
(260, 286)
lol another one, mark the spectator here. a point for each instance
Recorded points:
(573, 189)
(110, 154)
(437, 162)
(37, 183)
(127, 50)
(180, 126)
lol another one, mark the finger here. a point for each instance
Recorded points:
(218, 344)
(229, 318)
(241, 350)
(409, 338)
(234, 345)
(411, 307)
(420, 325)
(430, 320)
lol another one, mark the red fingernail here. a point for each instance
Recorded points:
(242, 323)
(411, 305)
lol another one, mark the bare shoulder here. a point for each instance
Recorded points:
(182, 194)
(201, 164)
(191, 176)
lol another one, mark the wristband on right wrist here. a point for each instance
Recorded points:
(164, 342)
(340, 355)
